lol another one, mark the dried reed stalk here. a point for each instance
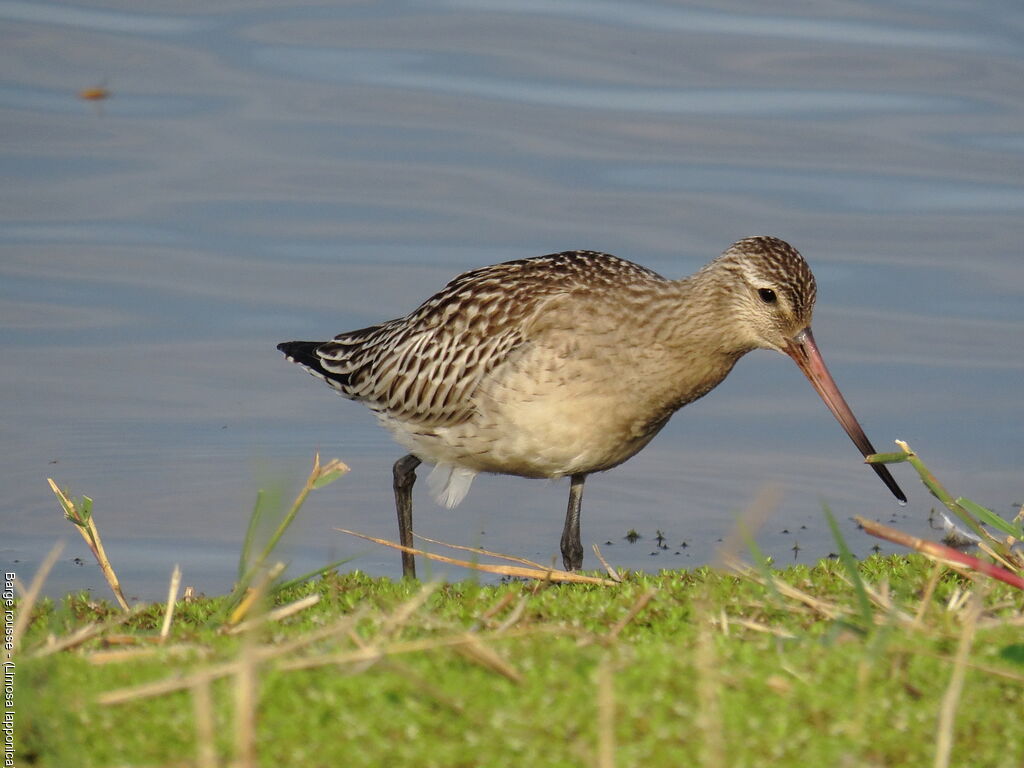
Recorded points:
(940, 552)
(951, 699)
(172, 598)
(82, 519)
(28, 601)
(548, 574)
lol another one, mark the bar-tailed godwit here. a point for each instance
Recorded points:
(568, 364)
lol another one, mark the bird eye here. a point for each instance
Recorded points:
(767, 295)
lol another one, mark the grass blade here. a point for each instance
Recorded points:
(936, 489)
(250, 532)
(314, 573)
(250, 568)
(990, 518)
(850, 563)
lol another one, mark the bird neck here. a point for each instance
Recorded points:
(698, 319)
(681, 345)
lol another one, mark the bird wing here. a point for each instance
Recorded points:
(426, 366)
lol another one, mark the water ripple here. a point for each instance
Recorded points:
(402, 69)
(103, 21)
(694, 21)
(827, 189)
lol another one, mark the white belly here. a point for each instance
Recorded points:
(539, 420)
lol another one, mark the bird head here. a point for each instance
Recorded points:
(771, 290)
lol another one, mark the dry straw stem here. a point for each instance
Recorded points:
(477, 651)
(1012, 567)
(483, 552)
(85, 633)
(605, 713)
(543, 574)
(86, 525)
(28, 601)
(640, 603)
(344, 626)
(169, 685)
(501, 604)
(121, 655)
(940, 552)
(709, 720)
(830, 610)
(392, 624)
(951, 699)
(255, 593)
(929, 591)
(372, 653)
(815, 604)
(614, 574)
(204, 715)
(172, 598)
(246, 673)
(514, 615)
(405, 671)
(1001, 621)
(246, 697)
(424, 685)
(276, 614)
(212, 672)
(266, 653)
(751, 624)
(988, 669)
(880, 597)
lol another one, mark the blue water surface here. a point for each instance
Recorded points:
(269, 171)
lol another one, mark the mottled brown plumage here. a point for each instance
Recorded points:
(567, 364)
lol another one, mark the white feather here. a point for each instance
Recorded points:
(449, 484)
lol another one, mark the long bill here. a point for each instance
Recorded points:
(805, 354)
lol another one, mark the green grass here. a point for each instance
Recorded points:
(714, 669)
(890, 661)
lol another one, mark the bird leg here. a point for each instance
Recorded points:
(572, 549)
(405, 478)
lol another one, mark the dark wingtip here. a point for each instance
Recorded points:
(304, 353)
(299, 350)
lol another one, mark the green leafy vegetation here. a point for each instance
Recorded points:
(378, 672)
(899, 660)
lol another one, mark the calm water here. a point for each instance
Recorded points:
(272, 171)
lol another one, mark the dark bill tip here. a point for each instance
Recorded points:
(805, 354)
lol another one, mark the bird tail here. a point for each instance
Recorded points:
(304, 353)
